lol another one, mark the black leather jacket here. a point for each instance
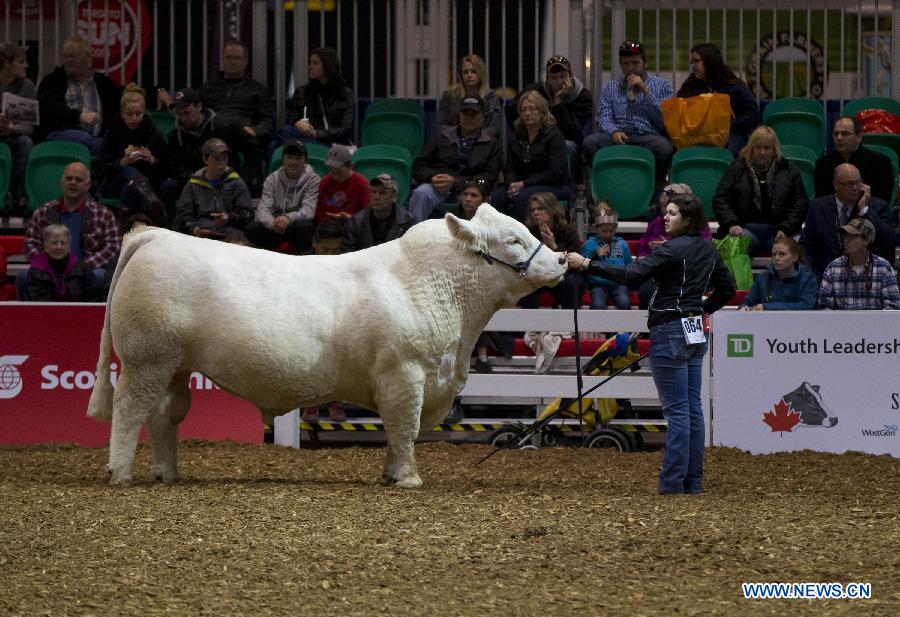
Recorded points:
(684, 268)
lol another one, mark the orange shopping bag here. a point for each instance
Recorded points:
(698, 120)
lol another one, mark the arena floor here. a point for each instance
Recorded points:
(265, 530)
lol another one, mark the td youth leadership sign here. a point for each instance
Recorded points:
(818, 380)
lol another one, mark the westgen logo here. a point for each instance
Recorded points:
(10, 378)
(740, 345)
(886, 430)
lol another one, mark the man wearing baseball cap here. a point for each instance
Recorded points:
(630, 112)
(342, 192)
(381, 221)
(570, 102)
(288, 204)
(456, 153)
(859, 280)
(194, 126)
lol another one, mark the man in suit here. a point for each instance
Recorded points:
(821, 241)
(875, 168)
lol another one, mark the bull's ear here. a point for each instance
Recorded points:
(460, 229)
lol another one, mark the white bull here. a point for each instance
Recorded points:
(390, 328)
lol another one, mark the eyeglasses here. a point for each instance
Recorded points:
(844, 133)
(670, 193)
(850, 183)
(631, 47)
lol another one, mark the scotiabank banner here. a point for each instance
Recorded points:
(48, 354)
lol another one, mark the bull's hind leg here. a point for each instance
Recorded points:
(164, 427)
(138, 392)
(400, 405)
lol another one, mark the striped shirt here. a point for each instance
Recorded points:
(641, 116)
(873, 288)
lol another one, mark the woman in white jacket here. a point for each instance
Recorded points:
(285, 211)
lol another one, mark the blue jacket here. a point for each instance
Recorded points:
(797, 293)
(619, 255)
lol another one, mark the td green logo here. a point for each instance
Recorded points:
(740, 345)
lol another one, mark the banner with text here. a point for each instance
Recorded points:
(48, 354)
(818, 380)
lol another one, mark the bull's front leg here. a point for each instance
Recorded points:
(400, 396)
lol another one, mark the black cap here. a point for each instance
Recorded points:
(296, 146)
(185, 97)
(631, 48)
(472, 102)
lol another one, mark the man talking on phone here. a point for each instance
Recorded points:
(629, 111)
(851, 199)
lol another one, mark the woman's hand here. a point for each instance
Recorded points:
(514, 189)
(576, 261)
(547, 236)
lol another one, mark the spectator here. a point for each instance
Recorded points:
(132, 159)
(472, 80)
(821, 240)
(342, 192)
(16, 135)
(605, 246)
(285, 212)
(381, 222)
(570, 102)
(56, 274)
(761, 195)
(194, 126)
(245, 117)
(536, 161)
(327, 238)
(475, 191)
(323, 110)
(786, 284)
(215, 203)
(875, 168)
(77, 103)
(709, 73)
(92, 227)
(547, 222)
(456, 153)
(629, 111)
(859, 280)
(327, 241)
(656, 234)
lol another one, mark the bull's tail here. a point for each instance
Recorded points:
(101, 403)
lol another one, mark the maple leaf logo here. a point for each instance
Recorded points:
(783, 419)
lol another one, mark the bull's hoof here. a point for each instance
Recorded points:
(165, 474)
(119, 478)
(413, 482)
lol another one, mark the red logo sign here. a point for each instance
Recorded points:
(111, 27)
(782, 418)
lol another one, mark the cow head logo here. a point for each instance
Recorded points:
(803, 406)
(10, 378)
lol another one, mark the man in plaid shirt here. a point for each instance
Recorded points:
(93, 228)
(859, 280)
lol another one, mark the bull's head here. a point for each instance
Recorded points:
(506, 244)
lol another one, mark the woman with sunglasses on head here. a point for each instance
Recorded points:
(472, 80)
(684, 267)
(709, 73)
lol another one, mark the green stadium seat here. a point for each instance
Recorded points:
(797, 122)
(624, 177)
(701, 168)
(805, 160)
(394, 128)
(45, 166)
(854, 106)
(404, 106)
(394, 160)
(163, 120)
(5, 171)
(888, 140)
(895, 162)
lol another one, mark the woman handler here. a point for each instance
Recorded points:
(684, 268)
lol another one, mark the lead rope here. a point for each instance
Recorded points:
(579, 378)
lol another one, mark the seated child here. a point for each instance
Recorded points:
(605, 245)
(56, 273)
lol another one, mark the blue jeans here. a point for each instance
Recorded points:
(677, 371)
(94, 144)
(762, 236)
(424, 199)
(519, 210)
(22, 283)
(20, 146)
(601, 293)
(119, 189)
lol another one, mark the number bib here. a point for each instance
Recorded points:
(693, 329)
